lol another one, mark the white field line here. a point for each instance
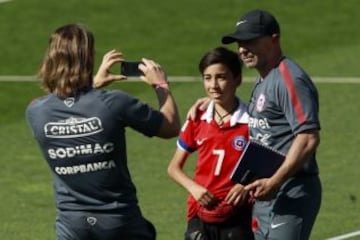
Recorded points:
(4, 1)
(345, 236)
(13, 78)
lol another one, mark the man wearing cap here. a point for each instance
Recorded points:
(283, 113)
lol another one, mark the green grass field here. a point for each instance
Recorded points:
(320, 35)
(27, 204)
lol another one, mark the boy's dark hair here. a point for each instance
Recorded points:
(224, 56)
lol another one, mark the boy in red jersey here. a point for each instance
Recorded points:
(218, 209)
(284, 115)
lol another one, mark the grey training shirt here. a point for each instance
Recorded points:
(282, 105)
(83, 140)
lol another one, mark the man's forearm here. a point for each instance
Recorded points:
(300, 151)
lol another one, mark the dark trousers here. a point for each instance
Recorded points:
(100, 226)
(237, 227)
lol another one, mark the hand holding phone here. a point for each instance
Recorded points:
(131, 69)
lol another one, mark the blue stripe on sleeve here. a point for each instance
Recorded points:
(181, 144)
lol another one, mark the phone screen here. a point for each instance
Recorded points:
(131, 69)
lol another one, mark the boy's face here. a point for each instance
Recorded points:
(219, 83)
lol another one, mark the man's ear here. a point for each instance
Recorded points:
(275, 37)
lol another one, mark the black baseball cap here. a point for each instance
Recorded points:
(254, 24)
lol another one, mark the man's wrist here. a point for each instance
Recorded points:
(158, 85)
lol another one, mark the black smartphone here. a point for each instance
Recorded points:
(131, 69)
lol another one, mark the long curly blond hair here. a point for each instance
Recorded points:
(68, 64)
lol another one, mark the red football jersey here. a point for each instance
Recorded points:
(219, 148)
